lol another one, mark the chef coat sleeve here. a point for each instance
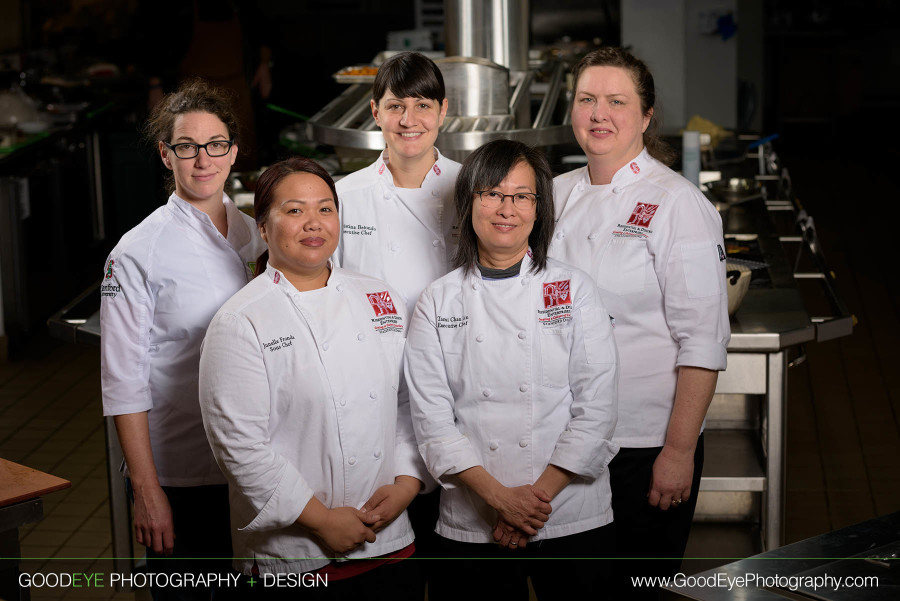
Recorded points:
(127, 305)
(445, 450)
(585, 447)
(689, 259)
(407, 459)
(235, 404)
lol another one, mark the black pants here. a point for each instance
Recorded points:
(401, 581)
(566, 568)
(649, 541)
(202, 540)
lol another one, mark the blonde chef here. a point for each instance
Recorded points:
(299, 380)
(511, 365)
(653, 243)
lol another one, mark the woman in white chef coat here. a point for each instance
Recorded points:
(399, 223)
(653, 243)
(299, 380)
(511, 366)
(163, 282)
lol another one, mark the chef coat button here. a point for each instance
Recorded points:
(352, 461)
(435, 243)
(479, 338)
(435, 193)
(560, 235)
(494, 446)
(524, 281)
(523, 388)
(476, 286)
(324, 346)
(343, 402)
(521, 335)
(360, 336)
(395, 247)
(339, 287)
(486, 392)
(523, 443)
(616, 190)
(593, 236)
(373, 394)
(377, 454)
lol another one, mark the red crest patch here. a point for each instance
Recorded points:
(437, 169)
(642, 214)
(381, 303)
(557, 293)
(635, 168)
(381, 169)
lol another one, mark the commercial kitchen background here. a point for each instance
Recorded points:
(821, 74)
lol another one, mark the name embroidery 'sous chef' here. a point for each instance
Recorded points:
(642, 215)
(386, 318)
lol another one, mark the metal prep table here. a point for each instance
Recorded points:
(743, 477)
(867, 550)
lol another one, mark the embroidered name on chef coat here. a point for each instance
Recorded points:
(278, 343)
(638, 225)
(386, 318)
(452, 321)
(557, 304)
(359, 230)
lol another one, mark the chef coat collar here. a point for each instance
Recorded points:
(476, 281)
(631, 172)
(381, 168)
(276, 276)
(238, 234)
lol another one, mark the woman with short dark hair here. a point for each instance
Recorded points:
(511, 366)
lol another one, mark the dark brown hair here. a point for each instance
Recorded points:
(409, 75)
(267, 184)
(486, 168)
(611, 56)
(193, 96)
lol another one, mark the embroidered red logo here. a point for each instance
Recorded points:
(635, 168)
(277, 277)
(382, 304)
(437, 169)
(381, 169)
(557, 293)
(642, 214)
(109, 269)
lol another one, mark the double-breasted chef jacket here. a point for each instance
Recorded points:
(299, 392)
(653, 244)
(404, 236)
(514, 374)
(163, 283)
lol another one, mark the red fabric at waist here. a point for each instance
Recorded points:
(348, 569)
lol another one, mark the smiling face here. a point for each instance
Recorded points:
(607, 117)
(410, 125)
(503, 232)
(302, 227)
(202, 177)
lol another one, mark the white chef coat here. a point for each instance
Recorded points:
(653, 244)
(404, 236)
(164, 281)
(299, 398)
(514, 374)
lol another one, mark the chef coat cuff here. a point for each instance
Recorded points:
(708, 354)
(589, 465)
(449, 459)
(285, 505)
(125, 399)
(408, 462)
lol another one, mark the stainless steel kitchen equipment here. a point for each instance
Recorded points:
(485, 41)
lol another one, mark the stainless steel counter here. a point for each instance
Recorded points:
(801, 569)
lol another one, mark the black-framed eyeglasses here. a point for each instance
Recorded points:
(491, 199)
(188, 150)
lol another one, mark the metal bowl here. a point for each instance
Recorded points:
(736, 189)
